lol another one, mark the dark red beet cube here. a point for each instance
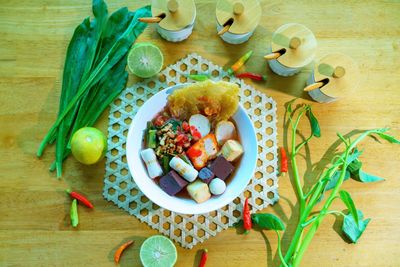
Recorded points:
(206, 175)
(221, 167)
(172, 183)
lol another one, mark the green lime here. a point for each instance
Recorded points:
(158, 251)
(88, 145)
(145, 60)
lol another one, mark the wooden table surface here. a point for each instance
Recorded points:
(34, 220)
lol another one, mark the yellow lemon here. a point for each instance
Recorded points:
(88, 145)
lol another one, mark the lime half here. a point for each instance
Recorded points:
(158, 251)
(145, 60)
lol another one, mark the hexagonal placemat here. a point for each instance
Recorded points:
(189, 230)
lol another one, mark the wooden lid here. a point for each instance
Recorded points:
(178, 13)
(245, 14)
(342, 72)
(298, 41)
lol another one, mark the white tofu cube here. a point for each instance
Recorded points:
(231, 150)
(199, 191)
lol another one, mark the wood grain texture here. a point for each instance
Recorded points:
(34, 224)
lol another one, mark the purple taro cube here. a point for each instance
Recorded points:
(221, 168)
(172, 183)
(206, 175)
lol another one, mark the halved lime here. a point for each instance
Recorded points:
(145, 60)
(158, 251)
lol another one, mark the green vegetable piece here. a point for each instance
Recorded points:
(198, 77)
(74, 213)
(151, 139)
(348, 201)
(165, 163)
(350, 227)
(175, 124)
(267, 221)
(316, 131)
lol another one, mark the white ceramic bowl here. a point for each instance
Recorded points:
(236, 185)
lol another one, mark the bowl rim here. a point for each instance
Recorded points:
(140, 183)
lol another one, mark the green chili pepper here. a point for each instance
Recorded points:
(198, 77)
(74, 213)
(241, 61)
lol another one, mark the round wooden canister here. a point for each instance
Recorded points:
(239, 17)
(333, 77)
(292, 47)
(178, 18)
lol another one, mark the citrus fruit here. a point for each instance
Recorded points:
(158, 251)
(145, 60)
(88, 145)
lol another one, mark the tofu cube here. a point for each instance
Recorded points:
(206, 175)
(221, 167)
(172, 183)
(199, 191)
(231, 150)
(202, 151)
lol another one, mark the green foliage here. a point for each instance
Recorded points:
(316, 131)
(352, 229)
(348, 201)
(267, 221)
(94, 72)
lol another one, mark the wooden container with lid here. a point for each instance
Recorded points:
(237, 19)
(333, 77)
(176, 18)
(293, 46)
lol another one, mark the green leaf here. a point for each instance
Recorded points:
(316, 131)
(350, 227)
(238, 223)
(289, 105)
(368, 178)
(348, 201)
(335, 178)
(388, 138)
(359, 175)
(267, 221)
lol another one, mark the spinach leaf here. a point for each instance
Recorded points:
(267, 221)
(316, 131)
(348, 201)
(350, 227)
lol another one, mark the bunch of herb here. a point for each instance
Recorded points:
(94, 73)
(342, 166)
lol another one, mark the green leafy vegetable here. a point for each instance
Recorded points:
(342, 166)
(316, 131)
(348, 201)
(267, 221)
(353, 230)
(94, 72)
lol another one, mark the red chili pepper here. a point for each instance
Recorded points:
(203, 259)
(121, 249)
(246, 216)
(284, 161)
(253, 76)
(80, 198)
(185, 126)
(195, 133)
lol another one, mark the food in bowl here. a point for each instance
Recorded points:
(191, 147)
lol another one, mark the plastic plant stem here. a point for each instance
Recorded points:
(74, 213)
(121, 249)
(198, 77)
(241, 61)
(80, 198)
(280, 250)
(203, 259)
